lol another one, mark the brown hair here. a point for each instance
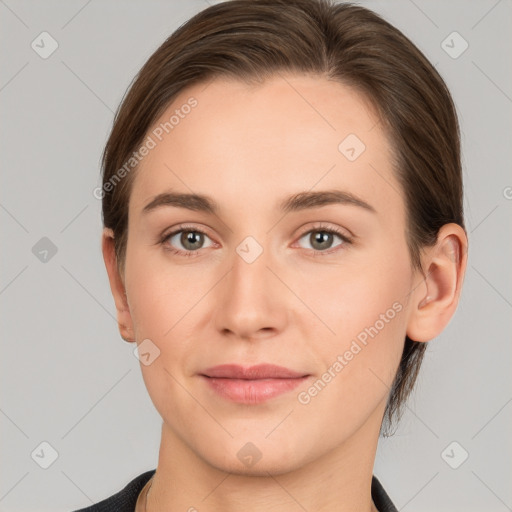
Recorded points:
(255, 39)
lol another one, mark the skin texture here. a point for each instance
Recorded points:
(298, 305)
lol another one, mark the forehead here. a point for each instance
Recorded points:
(240, 142)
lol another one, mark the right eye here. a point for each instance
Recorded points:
(190, 240)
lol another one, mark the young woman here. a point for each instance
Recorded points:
(282, 202)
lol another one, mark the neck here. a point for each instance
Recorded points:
(338, 480)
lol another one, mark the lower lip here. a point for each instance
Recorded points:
(245, 391)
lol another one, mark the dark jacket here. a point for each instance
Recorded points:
(125, 499)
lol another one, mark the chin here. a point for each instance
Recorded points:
(258, 458)
(265, 466)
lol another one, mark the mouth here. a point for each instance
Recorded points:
(254, 384)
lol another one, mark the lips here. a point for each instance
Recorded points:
(254, 384)
(260, 371)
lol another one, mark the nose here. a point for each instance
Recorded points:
(252, 301)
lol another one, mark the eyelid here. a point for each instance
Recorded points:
(323, 226)
(184, 227)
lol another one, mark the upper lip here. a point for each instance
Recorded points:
(260, 371)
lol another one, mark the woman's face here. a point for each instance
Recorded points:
(296, 256)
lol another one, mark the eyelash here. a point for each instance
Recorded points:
(188, 254)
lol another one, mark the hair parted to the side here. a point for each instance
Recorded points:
(251, 40)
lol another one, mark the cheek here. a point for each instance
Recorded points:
(366, 310)
(359, 362)
(160, 294)
(162, 302)
(350, 300)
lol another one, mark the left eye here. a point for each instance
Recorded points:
(322, 239)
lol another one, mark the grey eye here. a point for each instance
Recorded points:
(190, 240)
(321, 239)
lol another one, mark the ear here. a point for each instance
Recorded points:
(124, 319)
(434, 302)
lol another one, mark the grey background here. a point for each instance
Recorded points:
(67, 377)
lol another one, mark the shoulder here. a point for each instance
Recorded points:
(125, 499)
(380, 498)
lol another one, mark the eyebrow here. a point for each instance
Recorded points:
(296, 202)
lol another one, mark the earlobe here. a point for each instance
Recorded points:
(434, 303)
(117, 286)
